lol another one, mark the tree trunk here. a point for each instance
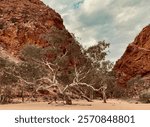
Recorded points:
(5, 96)
(2, 99)
(22, 94)
(81, 94)
(91, 94)
(86, 98)
(68, 100)
(5, 99)
(104, 96)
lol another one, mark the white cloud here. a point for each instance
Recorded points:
(92, 6)
(116, 21)
(126, 14)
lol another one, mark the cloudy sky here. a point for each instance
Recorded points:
(115, 21)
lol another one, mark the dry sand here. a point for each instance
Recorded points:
(112, 104)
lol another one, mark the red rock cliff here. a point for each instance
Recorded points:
(136, 59)
(28, 22)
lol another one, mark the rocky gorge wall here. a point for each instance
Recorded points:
(136, 58)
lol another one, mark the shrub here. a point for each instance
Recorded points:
(145, 97)
(5, 95)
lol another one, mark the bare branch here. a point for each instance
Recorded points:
(81, 69)
(90, 86)
(44, 78)
(85, 74)
(67, 86)
(60, 57)
(20, 78)
(48, 65)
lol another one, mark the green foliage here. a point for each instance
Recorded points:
(135, 81)
(55, 36)
(97, 52)
(2, 63)
(60, 42)
(100, 74)
(63, 62)
(136, 86)
(145, 97)
(30, 71)
(8, 79)
(96, 55)
(7, 72)
(30, 52)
